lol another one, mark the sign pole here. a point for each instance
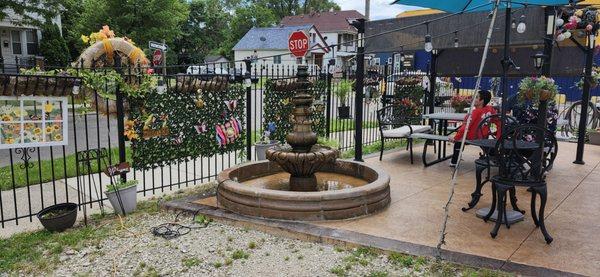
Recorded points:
(164, 60)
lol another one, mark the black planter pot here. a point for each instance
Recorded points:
(344, 112)
(59, 222)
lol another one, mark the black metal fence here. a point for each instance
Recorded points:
(32, 178)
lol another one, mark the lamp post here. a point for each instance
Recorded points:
(538, 63)
(538, 60)
(359, 24)
(585, 98)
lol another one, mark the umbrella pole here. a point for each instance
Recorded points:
(506, 60)
(442, 238)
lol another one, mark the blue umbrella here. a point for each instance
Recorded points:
(455, 6)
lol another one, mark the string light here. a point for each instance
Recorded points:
(456, 39)
(402, 57)
(522, 27)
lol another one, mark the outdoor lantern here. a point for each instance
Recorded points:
(402, 57)
(538, 60)
(161, 88)
(428, 44)
(522, 26)
(513, 24)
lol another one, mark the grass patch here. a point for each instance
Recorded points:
(218, 265)
(378, 274)
(239, 254)
(228, 261)
(401, 259)
(46, 167)
(340, 125)
(190, 262)
(251, 245)
(339, 271)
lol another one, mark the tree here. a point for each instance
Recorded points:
(255, 15)
(30, 12)
(283, 8)
(205, 31)
(140, 20)
(53, 46)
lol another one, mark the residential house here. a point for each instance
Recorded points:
(216, 61)
(336, 31)
(269, 46)
(20, 43)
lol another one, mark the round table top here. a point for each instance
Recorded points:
(491, 143)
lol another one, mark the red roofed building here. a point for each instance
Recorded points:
(334, 28)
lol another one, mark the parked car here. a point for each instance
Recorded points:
(203, 69)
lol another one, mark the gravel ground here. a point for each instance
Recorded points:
(220, 250)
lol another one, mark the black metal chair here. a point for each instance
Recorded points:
(524, 155)
(396, 123)
(489, 128)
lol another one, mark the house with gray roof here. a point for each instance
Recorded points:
(269, 46)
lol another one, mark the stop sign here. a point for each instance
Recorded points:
(298, 43)
(157, 57)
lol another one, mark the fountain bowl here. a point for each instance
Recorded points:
(250, 189)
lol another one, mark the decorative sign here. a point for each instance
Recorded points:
(33, 121)
(298, 44)
(157, 57)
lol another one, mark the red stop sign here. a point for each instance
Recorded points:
(298, 43)
(157, 57)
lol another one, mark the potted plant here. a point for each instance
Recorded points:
(537, 89)
(594, 136)
(59, 217)
(265, 142)
(341, 92)
(122, 196)
(460, 102)
(594, 80)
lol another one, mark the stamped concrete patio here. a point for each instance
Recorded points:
(415, 215)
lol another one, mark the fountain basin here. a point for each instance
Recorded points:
(255, 189)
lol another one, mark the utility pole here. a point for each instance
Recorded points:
(368, 9)
(359, 24)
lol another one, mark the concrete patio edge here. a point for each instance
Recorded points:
(309, 232)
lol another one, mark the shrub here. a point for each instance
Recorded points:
(53, 46)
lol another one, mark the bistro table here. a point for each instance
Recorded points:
(441, 119)
(512, 215)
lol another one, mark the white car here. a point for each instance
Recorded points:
(203, 69)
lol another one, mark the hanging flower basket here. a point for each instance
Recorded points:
(537, 89)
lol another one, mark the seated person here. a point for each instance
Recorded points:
(481, 111)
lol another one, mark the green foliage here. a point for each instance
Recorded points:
(401, 259)
(535, 89)
(190, 262)
(278, 109)
(28, 10)
(239, 254)
(339, 271)
(53, 46)
(251, 245)
(121, 185)
(332, 143)
(202, 219)
(166, 128)
(343, 88)
(379, 274)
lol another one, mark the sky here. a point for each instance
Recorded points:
(380, 9)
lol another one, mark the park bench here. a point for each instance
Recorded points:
(394, 123)
(428, 137)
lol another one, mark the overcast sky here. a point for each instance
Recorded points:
(380, 9)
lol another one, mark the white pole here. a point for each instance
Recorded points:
(441, 240)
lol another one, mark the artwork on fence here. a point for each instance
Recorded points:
(33, 121)
(278, 107)
(194, 118)
(409, 94)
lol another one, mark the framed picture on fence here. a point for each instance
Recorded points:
(33, 121)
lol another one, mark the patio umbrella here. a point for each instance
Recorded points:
(455, 6)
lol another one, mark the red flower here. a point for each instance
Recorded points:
(150, 71)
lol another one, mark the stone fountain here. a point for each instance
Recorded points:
(303, 181)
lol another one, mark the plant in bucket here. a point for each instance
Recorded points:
(341, 92)
(265, 142)
(537, 89)
(460, 102)
(122, 196)
(57, 218)
(594, 136)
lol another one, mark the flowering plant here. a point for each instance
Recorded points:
(104, 33)
(460, 102)
(266, 137)
(537, 89)
(594, 80)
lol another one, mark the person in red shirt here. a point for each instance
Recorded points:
(481, 111)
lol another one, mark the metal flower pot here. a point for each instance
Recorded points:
(261, 149)
(344, 112)
(59, 217)
(594, 137)
(128, 198)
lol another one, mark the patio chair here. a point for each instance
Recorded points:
(396, 123)
(490, 128)
(524, 155)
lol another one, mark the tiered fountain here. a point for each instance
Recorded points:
(303, 181)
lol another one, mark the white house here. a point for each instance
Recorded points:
(269, 46)
(336, 30)
(19, 43)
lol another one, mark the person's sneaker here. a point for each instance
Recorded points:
(452, 164)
